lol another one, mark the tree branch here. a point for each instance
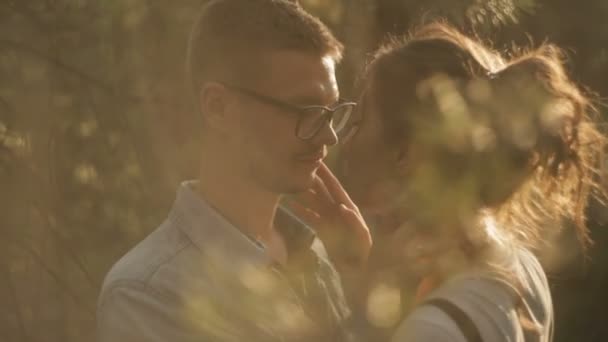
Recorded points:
(63, 285)
(4, 103)
(13, 295)
(99, 84)
(43, 25)
(56, 234)
(24, 11)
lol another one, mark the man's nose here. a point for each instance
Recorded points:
(327, 135)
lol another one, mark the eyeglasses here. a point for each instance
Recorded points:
(310, 118)
(354, 123)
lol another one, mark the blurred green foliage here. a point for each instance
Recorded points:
(97, 129)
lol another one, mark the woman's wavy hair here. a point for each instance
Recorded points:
(513, 137)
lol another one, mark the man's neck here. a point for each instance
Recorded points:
(247, 206)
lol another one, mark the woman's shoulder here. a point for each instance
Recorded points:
(484, 300)
(492, 300)
(428, 323)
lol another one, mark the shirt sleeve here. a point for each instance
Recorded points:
(136, 314)
(428, 324)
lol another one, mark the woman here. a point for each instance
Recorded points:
(467, 162)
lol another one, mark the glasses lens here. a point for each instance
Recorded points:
(340, 118)
(311, 121)
(314, 118)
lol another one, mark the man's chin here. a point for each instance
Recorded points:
(298, 182)
(303, 183)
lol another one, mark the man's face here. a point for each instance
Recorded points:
(265, 136)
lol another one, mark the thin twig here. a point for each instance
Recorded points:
(70, 252)
(43, 25)
(65, 287)
(25, 12)
(13, 292)
(59, 238)
(57, 235)
(7, 105)
(102, 85)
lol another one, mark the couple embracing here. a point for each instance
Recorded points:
(455, 160)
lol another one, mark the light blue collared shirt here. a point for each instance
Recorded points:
(199, 278)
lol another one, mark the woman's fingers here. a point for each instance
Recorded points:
(317, 199)
(325, 196)
(308, 215)
(326, 193)
(351, 243)
(328, 209)
(334, 188)
(358, 226)
(308, 198)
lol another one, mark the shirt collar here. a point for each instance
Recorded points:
(297, 235)
(212, 233)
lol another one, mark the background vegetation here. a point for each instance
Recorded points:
(97, 130)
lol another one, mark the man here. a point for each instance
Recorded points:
(229, 263)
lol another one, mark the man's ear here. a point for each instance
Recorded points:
(213, 102)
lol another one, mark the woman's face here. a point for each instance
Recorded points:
(367, 163)
(372, 171)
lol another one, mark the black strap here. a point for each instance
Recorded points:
(462, 320)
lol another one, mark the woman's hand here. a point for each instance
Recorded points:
(328, 209)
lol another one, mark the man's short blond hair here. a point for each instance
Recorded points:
(229, 36)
